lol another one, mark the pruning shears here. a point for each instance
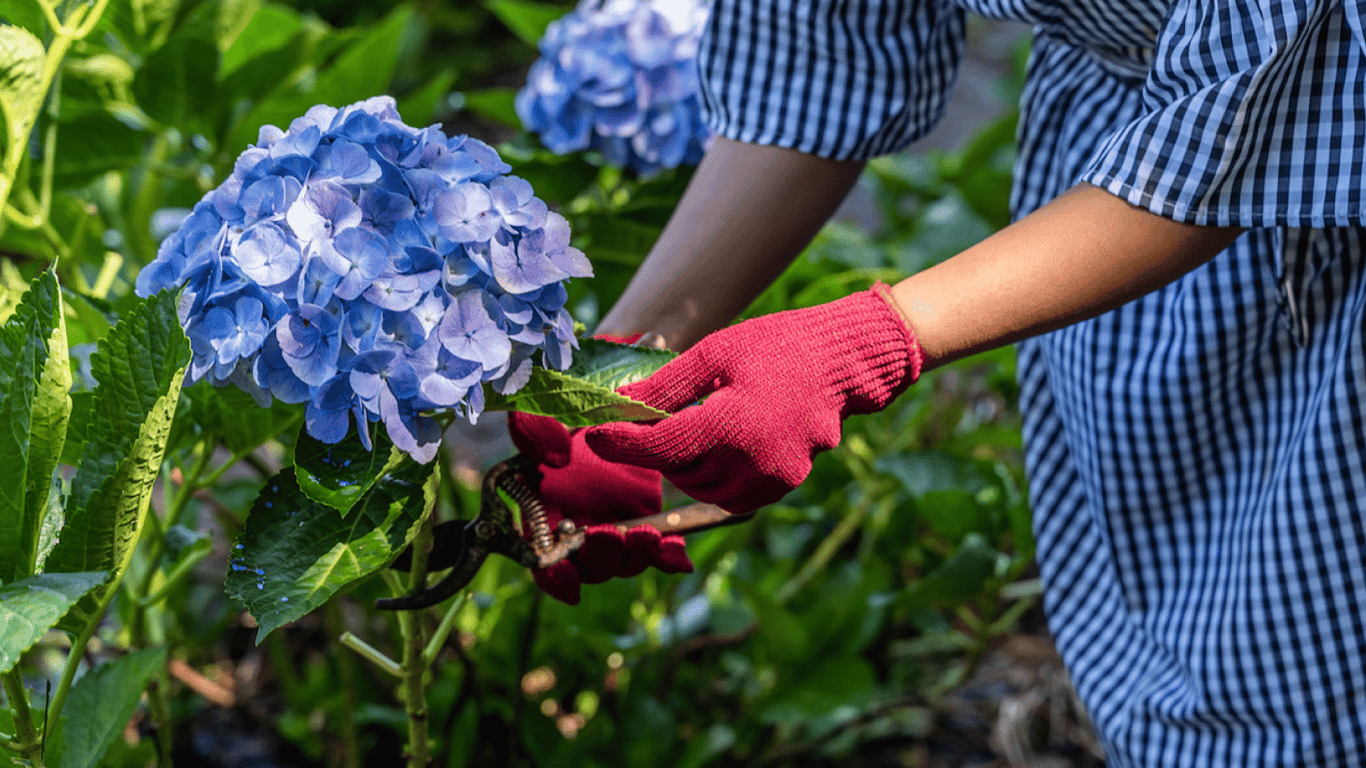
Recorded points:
(464, 545)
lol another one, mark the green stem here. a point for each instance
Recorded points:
(174, 577)
(161, 717)
(157, 545)
(52, 65)
(29, 745)
(73, 659)
(346, 676)
(371, 654)
(443, 630)
(149, 191)
(825, 552)
(411, 689)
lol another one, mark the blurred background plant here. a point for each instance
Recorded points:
(884, 613)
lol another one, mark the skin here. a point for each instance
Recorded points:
(750, 210)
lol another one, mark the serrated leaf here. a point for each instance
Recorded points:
(296, 552)
(957, 579)
(585, 394)
(21, 84)
(35, 405)
(99, 707)
(139, 367)
(32, 605)
(54, 517)
(338, 475)
(176, 82)
(527, 20)
(182, 542)
(572, 401)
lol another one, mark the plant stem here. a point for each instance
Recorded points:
(443, 630)
(161, 716)
(29, 744)
(411, 689)
(371, 654)
(346, 675)
(825, 552)
(73, 659)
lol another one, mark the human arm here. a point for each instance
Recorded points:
(775, 389)
(748, 211)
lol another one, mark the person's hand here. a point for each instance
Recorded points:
(595, 494)
(776, 389)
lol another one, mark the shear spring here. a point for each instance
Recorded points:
(533, 511)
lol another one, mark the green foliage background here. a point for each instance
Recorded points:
(832, 623)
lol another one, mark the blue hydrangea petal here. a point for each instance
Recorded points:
(310, 343)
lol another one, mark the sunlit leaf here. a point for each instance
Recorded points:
(32, 605)
(139, 366)
(35, 406)
(21, 84)
(269, 28)
(583, 395)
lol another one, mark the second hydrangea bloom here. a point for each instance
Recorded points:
(620, 76)
(372, 270)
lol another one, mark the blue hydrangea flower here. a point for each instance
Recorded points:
(374, 271)
(620, 76)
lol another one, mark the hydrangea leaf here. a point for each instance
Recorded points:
(339, 475)
(93, 145)
(527, 20)
(21, 84)
(35, 406)
(99, 707)
(139, 368)
(296, 552)
(585, 394)
(32, 605)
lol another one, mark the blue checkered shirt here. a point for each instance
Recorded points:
(1196, 457)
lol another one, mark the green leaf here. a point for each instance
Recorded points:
(583, 395)
(139, 367)
(957, 579)
(296, 553)
(21, 84)
(619, 240)
(99, 707)
(35, 379)
(176, 83)
(418, 107)
(269, 28)
(527, 20)
(91, 146)
(839, 688)
(496, 104)
(338, 475)
(32, 605)
(231, 21)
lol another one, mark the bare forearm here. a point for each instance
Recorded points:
(1083, 254)
(748, 212)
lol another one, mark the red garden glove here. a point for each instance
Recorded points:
(579, 485)
(776, 388)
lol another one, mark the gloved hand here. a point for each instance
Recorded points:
(776, 388)
(579, 485)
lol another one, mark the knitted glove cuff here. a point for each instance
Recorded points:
(873, 352)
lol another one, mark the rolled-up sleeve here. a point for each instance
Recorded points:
(1255, 115)
(842, 79)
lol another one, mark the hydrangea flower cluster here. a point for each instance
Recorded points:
(372, 270)
(620, 76)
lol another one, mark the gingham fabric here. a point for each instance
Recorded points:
(1197, 458)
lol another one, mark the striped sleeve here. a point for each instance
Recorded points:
(1255, 115)
(842, 79)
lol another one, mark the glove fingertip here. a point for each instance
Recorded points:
(541, 438)
(671, 556)
(560, 581)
